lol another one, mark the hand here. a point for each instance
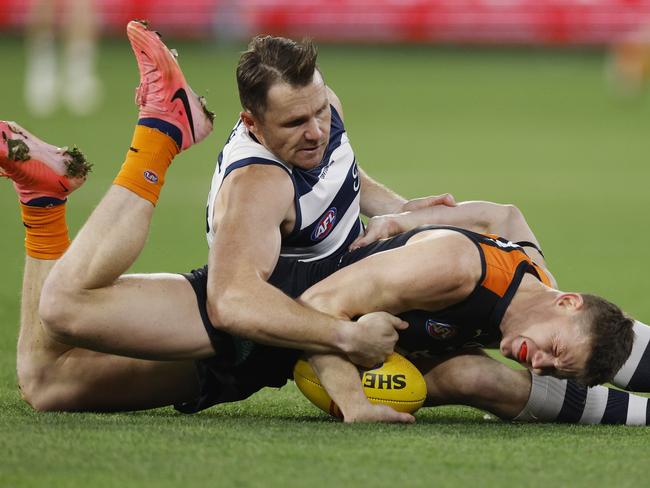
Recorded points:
(369, 412)
(379, 227)
(372, 338)
(446, 199)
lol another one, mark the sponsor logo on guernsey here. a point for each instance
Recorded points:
(150, 176)
(323, 172)
(505, 245)
(440, 330)
(325, 226)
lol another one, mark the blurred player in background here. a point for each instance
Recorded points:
(628, 64)
(74, 81)
(88, 304)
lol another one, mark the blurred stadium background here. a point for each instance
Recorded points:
(504, 100)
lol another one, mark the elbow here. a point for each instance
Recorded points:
(495, 218)
(224, 310)
(320, 300)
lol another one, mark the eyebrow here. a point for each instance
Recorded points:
(302, 118)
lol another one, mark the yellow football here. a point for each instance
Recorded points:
(396, 383)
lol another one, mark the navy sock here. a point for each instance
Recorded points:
(165, 127)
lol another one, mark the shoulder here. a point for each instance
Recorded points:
(335, 101)
(258, 175)
(264, 191)
(449, 257)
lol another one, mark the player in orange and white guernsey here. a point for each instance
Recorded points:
(459, 291)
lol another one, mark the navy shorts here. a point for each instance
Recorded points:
(241, 367)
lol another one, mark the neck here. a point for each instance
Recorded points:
(530, 304)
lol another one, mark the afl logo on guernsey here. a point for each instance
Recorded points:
(325, 226)
(150, 176)
(440, 330)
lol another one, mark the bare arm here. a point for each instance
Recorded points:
(243, 255)
(395, 280)
(486, 217)
(377, 199)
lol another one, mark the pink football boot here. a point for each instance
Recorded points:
(38, 169)
(163, 93)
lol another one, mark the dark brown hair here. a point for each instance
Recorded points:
(269, 60)
(612, 335)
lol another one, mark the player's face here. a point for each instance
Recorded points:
(557, 347)
(296, 124)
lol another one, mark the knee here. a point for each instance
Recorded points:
(470, 379)
(467, 383)
(36, 390)
(58, 307)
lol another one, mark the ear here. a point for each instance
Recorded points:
(250, 122)
(570, 301)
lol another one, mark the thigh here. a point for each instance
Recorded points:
(473, 378)
(146, 316)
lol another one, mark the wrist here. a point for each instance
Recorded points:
(345, 341)
(398, 223)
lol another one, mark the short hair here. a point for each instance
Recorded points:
(271, 59)
(612, 336)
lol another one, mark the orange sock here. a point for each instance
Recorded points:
(146, 163)
(46, 232)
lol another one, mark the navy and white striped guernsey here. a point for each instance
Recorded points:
(326, 197)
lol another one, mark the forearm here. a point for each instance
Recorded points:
(405, 221)
(264, 314)
(376, 199)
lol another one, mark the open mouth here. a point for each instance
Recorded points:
(523, 352)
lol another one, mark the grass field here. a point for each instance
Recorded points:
(535, 128)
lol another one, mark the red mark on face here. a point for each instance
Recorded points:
(523, 352)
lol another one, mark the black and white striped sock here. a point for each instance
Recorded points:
(635, 373)
(555, 400)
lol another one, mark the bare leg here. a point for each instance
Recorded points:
(41, 73)
(87, 303)
(476, 380)
(82, 88)
(54, 376)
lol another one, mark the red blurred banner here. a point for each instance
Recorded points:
(555, 22)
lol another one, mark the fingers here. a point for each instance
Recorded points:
(446, 199)
(395, 321)
(401, 324)
(360, 242)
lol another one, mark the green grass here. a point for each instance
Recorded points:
(535, 128)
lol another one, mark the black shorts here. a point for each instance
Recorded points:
(242, 367)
